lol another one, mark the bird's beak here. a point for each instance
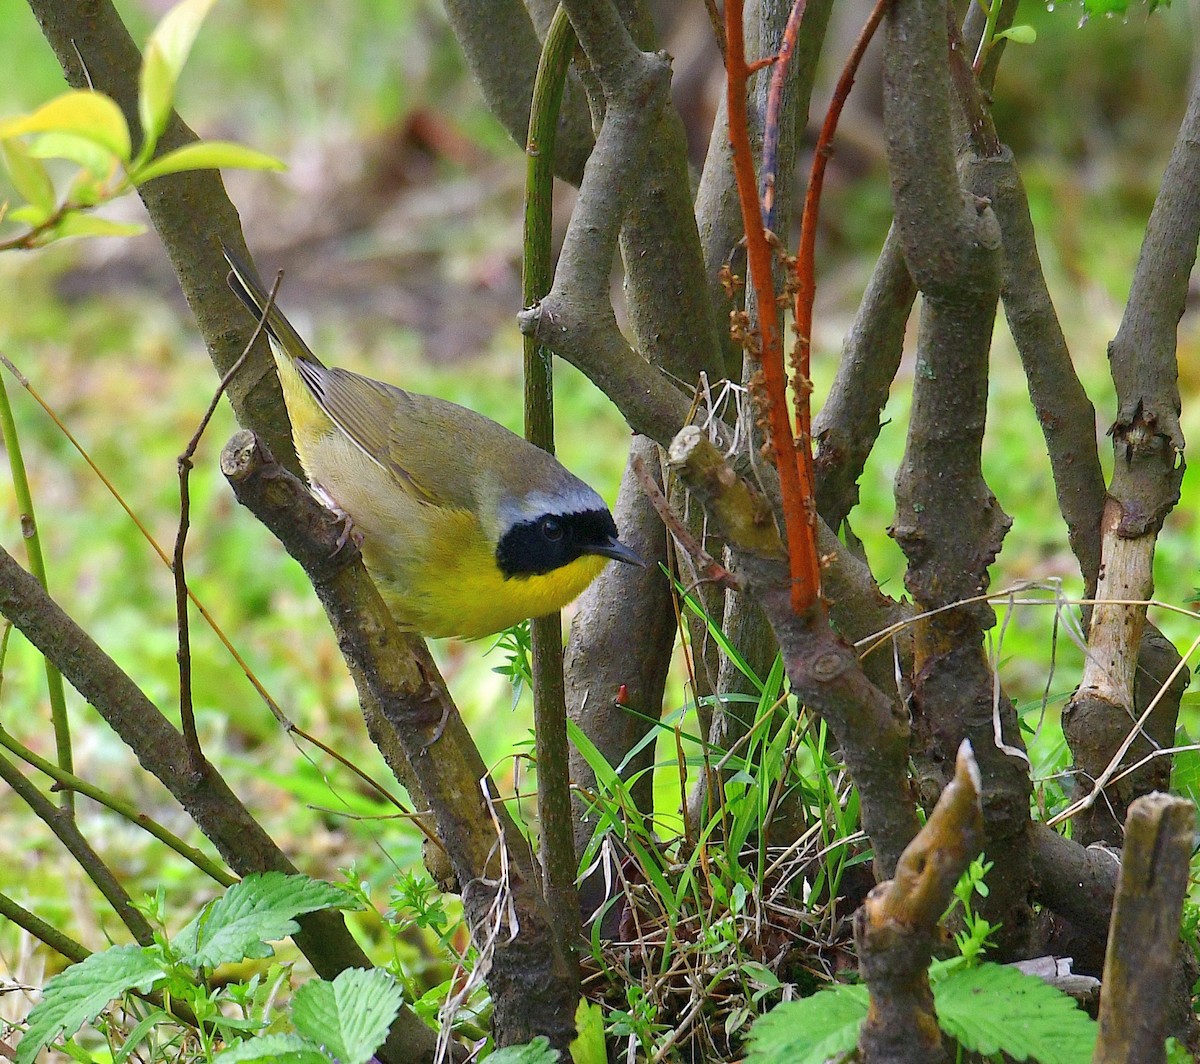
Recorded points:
(617, 550)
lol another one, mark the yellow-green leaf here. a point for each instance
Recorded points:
(205, 155)
(84, 113)
(166, 52)
(588, 1046)
(97, 161)
(28, 175)
(80, 224)
(1019, 34)
(29, 214)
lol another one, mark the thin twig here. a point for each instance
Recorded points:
(805, 262)
(184, 462)
(38, 398)
(705, 562)
(783, 61)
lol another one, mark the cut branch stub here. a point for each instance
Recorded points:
(896, 928)
(1144, 935)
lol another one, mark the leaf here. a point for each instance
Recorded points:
(273, 1049)
(536, 1052)
(79, 224)
(994, 1008)
(251, 913)
(79, 994)
(811, 1030)
(350, 1016)
(29, 176)
(588, 1045)
(205, 155)
(92, 157)
(1019, 34)
(162, 62)
(84, 113)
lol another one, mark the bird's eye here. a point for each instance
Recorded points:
(552, 529)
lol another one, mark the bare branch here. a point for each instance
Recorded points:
(528, 973)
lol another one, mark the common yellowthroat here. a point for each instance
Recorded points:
(465, 527)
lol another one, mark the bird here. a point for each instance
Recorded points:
(466, 528)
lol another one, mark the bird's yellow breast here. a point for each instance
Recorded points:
(458, 589)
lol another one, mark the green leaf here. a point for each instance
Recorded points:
(162, 61)
(1019, 34)
(536, 1052)
(206, 155)
(96, 159)
(79, 994)
(258, 910)
(84, 113)
(350, 1016)
(993, 1008)
(588, 1046)
(273, 1049)
(80, 224)
(811, 1030)
(29, 176)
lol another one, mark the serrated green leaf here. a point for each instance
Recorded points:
(1019, 34)
(994, 1008)
(84, 113)
(206, 155)
(79, 224)
(588, 1045)
(253, 912)
(162, 61)
(536, 1052)
(79, 994)
(811, 1030)
(349, 1016)
(272, 1049)
(29, 176)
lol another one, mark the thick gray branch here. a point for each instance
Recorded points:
(502, 49)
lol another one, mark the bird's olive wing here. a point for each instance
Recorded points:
(365, 410)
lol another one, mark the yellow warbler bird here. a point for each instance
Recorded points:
(465, 527)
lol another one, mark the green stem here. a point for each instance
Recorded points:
(37, 566)
(122, 808)
(67, 832)
(557, 850)
(42, 931)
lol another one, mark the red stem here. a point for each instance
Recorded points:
(798, 507)
(805, 265)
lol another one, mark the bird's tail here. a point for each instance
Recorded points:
(246, 286)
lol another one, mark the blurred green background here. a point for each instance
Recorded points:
(398, 223)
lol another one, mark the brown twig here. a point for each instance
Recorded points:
(704, 562)
(767, 346)
(187, 713)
